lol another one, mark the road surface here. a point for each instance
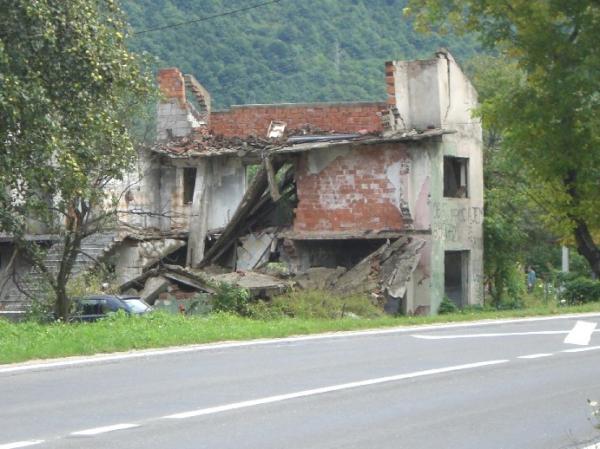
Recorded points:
(502, 385)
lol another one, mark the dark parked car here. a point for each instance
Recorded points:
(92, 308)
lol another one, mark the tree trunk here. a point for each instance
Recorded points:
(62, 306)
(587, 248)
(585, 242)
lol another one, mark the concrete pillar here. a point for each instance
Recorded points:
(565, 259)
(199, 216)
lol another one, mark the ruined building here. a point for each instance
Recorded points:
(379, 197)
(362, 174)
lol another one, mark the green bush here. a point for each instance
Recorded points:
(229, 298)
(447, 306)
(580, 290)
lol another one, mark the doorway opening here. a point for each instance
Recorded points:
(456, 277)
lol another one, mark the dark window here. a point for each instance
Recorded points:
(456, 175)
(189, 183)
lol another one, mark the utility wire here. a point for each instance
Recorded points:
(203, 19)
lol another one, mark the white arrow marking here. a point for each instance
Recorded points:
(581, 333)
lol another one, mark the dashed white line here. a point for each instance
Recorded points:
(534, 356)
(105, 429)
(20, 444)
(490, 334)
(330, 389)
(589, 348)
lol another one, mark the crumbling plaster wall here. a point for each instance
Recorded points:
(448, 100)
(435, 93)
(353, 190)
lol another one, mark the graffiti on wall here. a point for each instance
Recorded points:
(456, 224)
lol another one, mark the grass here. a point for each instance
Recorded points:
(30, 340)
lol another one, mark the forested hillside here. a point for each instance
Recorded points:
(292, 51)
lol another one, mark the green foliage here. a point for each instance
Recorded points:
(447, 306)
(311, 50)
(549, 121)
(579, 290)
(229, 298)
(316, 304)
(68, 85)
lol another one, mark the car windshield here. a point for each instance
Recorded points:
(136, 305)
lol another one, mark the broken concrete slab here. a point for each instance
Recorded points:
(259, 285)
(254, 250)
(386, 271)
(153, 287)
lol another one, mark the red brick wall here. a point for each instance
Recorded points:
(171, 83)
(352, 193)
(242, 121)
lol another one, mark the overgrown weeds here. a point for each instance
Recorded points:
(315, 304)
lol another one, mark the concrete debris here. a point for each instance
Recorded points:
(259, 285)
(276, 130)
(319, 278)
(153, 287)
(386, 271)
(254, 250)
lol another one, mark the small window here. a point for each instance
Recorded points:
(456, 175)
(189, 183)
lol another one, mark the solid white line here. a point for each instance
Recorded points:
(330, 389)
(20, 444)
(495, 334)
(581, 334)
(103, 358)
(534, 356)
(593, 446)
(589, 348)
(105, 429)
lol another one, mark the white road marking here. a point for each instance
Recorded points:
(330, 389)
(487, 335)
(534, 356)
(103, 358)
(20, 444)
(105, 429)
(581, 333)
(593, 446)
(589, 348)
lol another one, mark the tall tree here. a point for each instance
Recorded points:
(67, 82)
(550, 121)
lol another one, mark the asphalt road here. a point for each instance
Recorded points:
(501, 385)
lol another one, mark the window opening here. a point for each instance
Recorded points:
(189, 184)
(456, 175)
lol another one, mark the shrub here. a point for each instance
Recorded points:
(580, 290)
(447, 306)
(229, 298)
